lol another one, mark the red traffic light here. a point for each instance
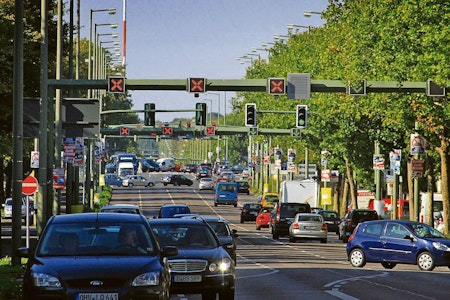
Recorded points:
(277, 86)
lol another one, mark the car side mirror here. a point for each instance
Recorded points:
(409, 237)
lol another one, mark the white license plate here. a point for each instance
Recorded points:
(187, 278)
(98, 296)
(310, 227)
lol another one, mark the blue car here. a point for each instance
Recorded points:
(112, 180)
(391, 242)
(226, 193)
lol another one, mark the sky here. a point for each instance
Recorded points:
(178, 39)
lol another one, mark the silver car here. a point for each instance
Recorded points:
(206, 183)
(308, 226)
(137, 180)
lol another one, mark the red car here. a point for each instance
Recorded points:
(263, 218)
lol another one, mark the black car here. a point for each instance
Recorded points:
(249, 211)
(202, 173)
(226, 235)
(190, 168)
(176, 179)
(170, 210)
(149, 165)
(243, 187)
(282, 216)
(202, 265)
(85, 256)
(332, 220)
(352, 219)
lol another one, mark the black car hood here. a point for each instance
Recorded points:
(74, 267)
(213, 254)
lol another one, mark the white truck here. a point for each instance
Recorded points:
(425, 214)
(300, 191)
(124, 169)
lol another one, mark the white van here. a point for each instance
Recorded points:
(166, 164)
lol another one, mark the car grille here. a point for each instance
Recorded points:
(187, 265)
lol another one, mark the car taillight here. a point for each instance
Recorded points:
(295, 226)
(324, 226)
(351, 237)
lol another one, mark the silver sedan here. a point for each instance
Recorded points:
(308, 226)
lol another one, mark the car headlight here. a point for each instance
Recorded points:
(45, 280)
(440, 246)
(223, 266)
(151, 278)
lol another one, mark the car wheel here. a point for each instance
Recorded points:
(215, 203)
(259, 228)
(292, 239)
(323, 241)
(345, 239)
(235, 205)
(209, 296)
(227, 294)
(388, 265)
(175, 183)
(242, 221)
(275, 235)
(151, 184)
(425, 261)
(130, 185)
(357, 258)
(165, 184)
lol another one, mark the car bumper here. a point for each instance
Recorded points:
(309, 234)
(209, 283)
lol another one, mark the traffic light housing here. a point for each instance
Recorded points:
(250, 114)
(301, 116)
(116, 84)
(149, 114)
(197, 85)
(200, 114)
(277, 86)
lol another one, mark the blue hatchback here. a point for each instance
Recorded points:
(390, 242)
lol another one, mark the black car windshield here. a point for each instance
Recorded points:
(425, 231)
(89, 239)
(185, 235)
(169, 212)
(220, 228)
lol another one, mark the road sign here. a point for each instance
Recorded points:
(433, 90)
(417, 144)
(299, 86)
(417, 167)
(29, 185)
(167, 130)
(277, 86)
(116, 84)
(378, 162)
(124, 131)
(358, 88)
(197, 85)
(296, 132)
(210, 130)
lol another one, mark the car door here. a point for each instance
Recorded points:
(397, 245)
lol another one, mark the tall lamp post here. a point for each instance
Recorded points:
(218, 106)
(111, 11)
(308, 13)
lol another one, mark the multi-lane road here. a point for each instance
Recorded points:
(278, 269)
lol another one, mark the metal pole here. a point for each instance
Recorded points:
(90, 53)
(58, 104)
(416, 186)
(17, 170)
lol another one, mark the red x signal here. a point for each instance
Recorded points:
(124, 131)
(210, 130)
(167, 131)
(276, 86)
(197, 85)
(116, 84)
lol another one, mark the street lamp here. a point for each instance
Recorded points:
(218, 109)
(308, 13)
(293, 26)
(111, 11)
(280, 37)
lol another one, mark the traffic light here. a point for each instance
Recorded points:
(302, 116)
(149, 114)
(116, 84)
(250, 114)
(277, 86)
(200, 114)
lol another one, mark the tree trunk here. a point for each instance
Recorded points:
(351, 183)
(344, 204)
(410, 191)
(430, 188)
(443, 153)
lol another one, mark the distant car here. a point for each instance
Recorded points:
(226, 193)
(229, 174)
(352, 219)
(83, 256)
(7, 207)
(202, 173)
(237, 169)
(249, 211)
(282, 215)
(308, 226)
(245, 172)
(190, 168)
(206, 183)
(121, 208)
(138, 180)
(332, 220)
(316, 209)
(149, 165)
(112, 180)
(392, 242)
(269, 199)
(203, 266)
(243, 187)
(170, 210)
(263, 218)
(176, 179)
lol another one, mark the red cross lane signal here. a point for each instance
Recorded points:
(167, 131)
(124, 131)
(277, 86)
(29, 185)
(197, 85)
(116, 84)
(210, 130)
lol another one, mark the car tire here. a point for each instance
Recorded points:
(258, 227)
(130, 185)
(388, 265)
(345, 239)
(165, 184)
(235, 205)
(208, 296)
(425, 261)
(323, 241)
(215, 204)
(275, 235)
(226, 295)
(242, 221)
(292, 239)
(357, 258)
(151, 184)
(175, 183)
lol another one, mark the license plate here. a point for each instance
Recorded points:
(187, 278)
(310, 227)
(98, 296)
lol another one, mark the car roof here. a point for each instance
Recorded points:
(402, 222)
(177, 221)
(172, 205)
(96, 217)
(120, 206)
(249, 203)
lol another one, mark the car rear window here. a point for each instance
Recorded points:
(361, 216)
(309, 218)
(291, 209)
(373, 229)
(328, 214)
